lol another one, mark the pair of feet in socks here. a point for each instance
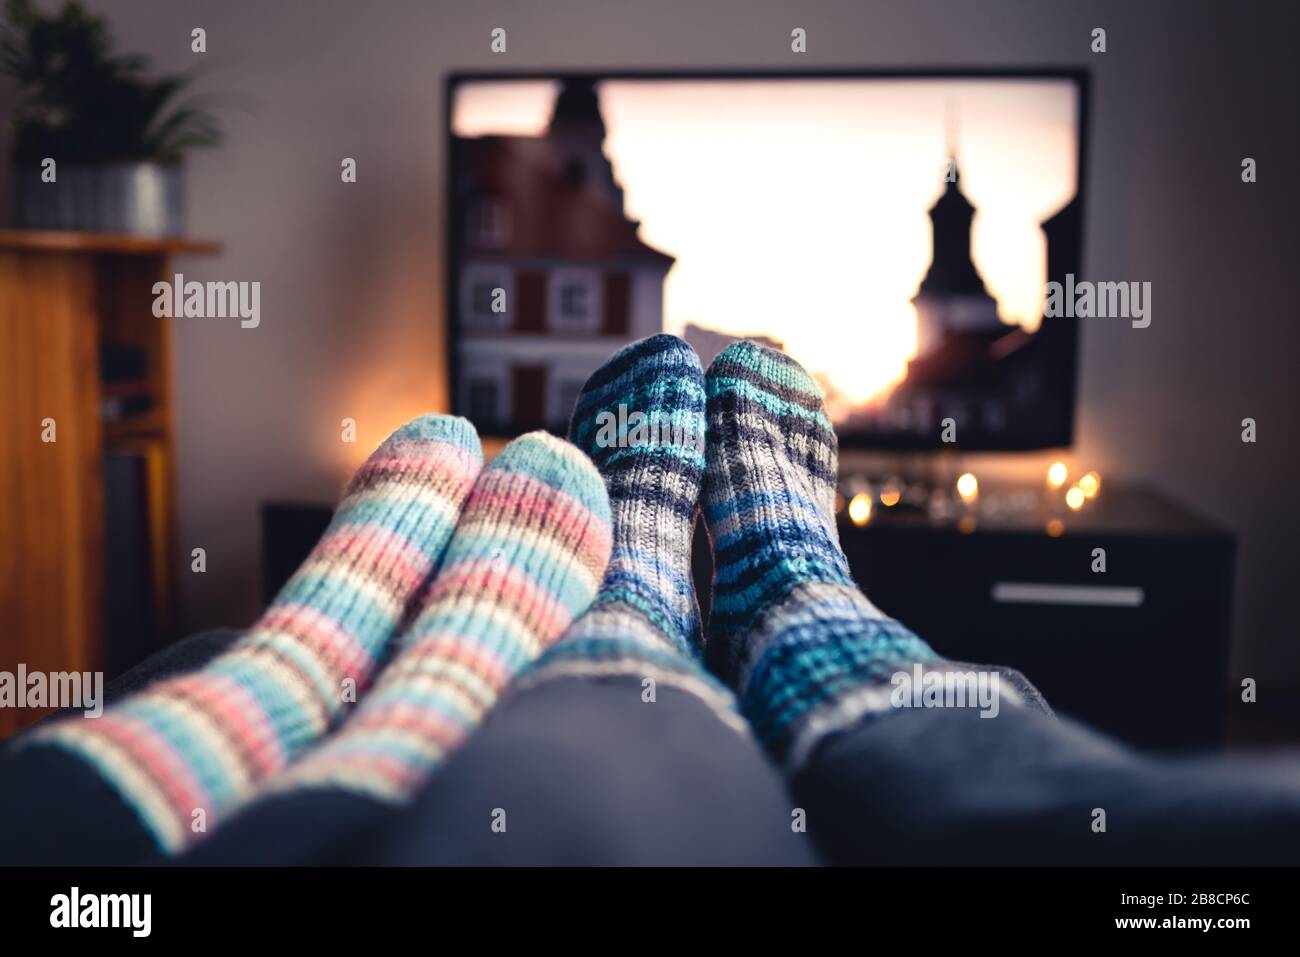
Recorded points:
(804, 650)
(480, 570)
(469, 571)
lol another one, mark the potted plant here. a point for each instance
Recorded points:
(115, 135)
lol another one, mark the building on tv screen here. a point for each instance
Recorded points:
(895, 236)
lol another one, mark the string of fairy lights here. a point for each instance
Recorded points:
(861, 505)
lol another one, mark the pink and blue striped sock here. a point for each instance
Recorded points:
(188, 749)
(526, 558)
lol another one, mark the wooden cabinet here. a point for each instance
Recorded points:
(85, 372)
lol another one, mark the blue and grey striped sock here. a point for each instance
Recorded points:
(804, 648)
(640, 418)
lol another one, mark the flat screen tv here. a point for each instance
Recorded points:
(894, 232)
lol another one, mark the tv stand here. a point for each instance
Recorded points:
(1139, 650)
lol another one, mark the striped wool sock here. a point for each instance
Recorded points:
(805, 649)
(527, 556)
(203, 741)
(641, 419)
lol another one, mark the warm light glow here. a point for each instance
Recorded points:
(1090, 484)
(1074, 498)
(860, 509)
(1057, 473)
(839, 503)
(890, 497)
(967, 487)
(1055, 527)
(966, 524)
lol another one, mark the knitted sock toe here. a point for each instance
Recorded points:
(527, 556)
(641, 419)
(769, 495)
(789, 629)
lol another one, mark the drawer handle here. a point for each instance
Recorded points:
(1030, 593)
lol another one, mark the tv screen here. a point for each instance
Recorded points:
(894, 233)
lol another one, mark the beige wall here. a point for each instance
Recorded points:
(352, 277)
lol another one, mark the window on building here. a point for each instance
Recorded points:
(484, 287)
(484, 400)
(489, 224)
(484, 293)
(575, 302)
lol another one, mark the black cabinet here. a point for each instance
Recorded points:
(1139, 650)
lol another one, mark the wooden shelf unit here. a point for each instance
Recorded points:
(63, 297)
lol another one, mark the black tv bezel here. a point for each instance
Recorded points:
(1067, 372)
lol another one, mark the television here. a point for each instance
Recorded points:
(892, 231)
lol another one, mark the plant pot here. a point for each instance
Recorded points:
(146, 199)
